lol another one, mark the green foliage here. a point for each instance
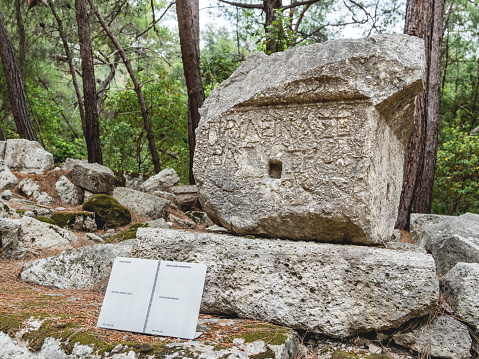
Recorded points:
(125, 146)
(109, 213)
(456, 184)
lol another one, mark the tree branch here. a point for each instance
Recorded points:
(296, 4)
(246, 6)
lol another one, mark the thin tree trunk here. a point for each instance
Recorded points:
(92, 126)
(15, 85)
(104, 84)
(424, 20)
(2, 134)
(189, 30)
(141, 100)
(71, 66)
(21, 39)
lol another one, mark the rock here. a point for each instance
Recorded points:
(84, 268)
(27, 157)
(141, 203)
(10, 237)
(307, 153)
(71, 162)
(6, 211)
(42, 235)
(334, 290)
(109, 213)
(78, 221)
(444, 337)
(87, 195)
(184, 223)
(6, 195)
(197, 216)
(32, 210)
(32, 190)
(166, 195)
(30, 214)
(67, 191)
(419, 221)
(452, 241)
(158, 223)
(93, 177)
(129, 179)
(93, 237)
(161, 181)
(461, 286)
(7, 178)
(216, 229)
(186, 196)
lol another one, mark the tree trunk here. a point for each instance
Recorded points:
(424, 19)
(270, 7)
(92, 126)
(141, 100)
(189, 30)
(15, 85)
(21, 39)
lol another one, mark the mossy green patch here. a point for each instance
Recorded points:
(64, 219)
(109, 213)
(45, 219)
(130, 233)
(340, 354)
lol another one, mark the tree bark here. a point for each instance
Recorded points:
(15, 85)
(141, 100)
(189, 31)
(92, 126)
(424, 19)
(21, 39)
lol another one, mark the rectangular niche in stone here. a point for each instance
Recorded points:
(308, 144)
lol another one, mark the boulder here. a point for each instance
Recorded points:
(143, 204)
(78, 221)
(31, 189)
(166, 195)
(444, 337)
(158, 223)
(161, 181)
(419, 221)
(329, 289)
(181, 222)
(6, 211)
(299, 144)
(67, 191)
(26, 156)
(43, 235)
(6, 195)
(452, 241)
(71, 162)
(109, 213)
(129, 179)
(7, 178)
(461, 286)
(93, 177)
(10, 237)
(86, 267)
(186, 196)
(197, 216)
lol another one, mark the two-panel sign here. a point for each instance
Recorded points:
(153, 297)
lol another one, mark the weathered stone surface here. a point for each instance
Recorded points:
(322, 288)
(86, 267)
(129, 179)
(6, 195)
(182, 222)
(197, 216)
(93, 177)
(462, 287)
(7, 178)
(166, 195)
(299, 144)
(10, 236)
(26, 156)
(161, 181)
(444, 337)
(419, 221)
(452, 241)
(186, 196)
(67, 191)
(141, 203)
(109, 213)
(6, 211)
(71, 162)
(44, 235)
(158, 223)
(31, 189)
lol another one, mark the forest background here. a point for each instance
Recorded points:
(147, 31)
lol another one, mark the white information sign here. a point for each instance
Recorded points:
(153, 297)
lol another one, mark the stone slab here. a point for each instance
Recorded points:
(141, 203)
(300, 144)
(329, 289)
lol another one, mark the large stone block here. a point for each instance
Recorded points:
(27, 156)
(323, 288)
(93, 177)
(141, 203)
(308, 143)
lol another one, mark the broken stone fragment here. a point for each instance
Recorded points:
(308, 143)
(25, 156)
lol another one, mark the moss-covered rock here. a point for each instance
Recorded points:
(109, 213)
(78, 221)
(130, 233)
(45, 219)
